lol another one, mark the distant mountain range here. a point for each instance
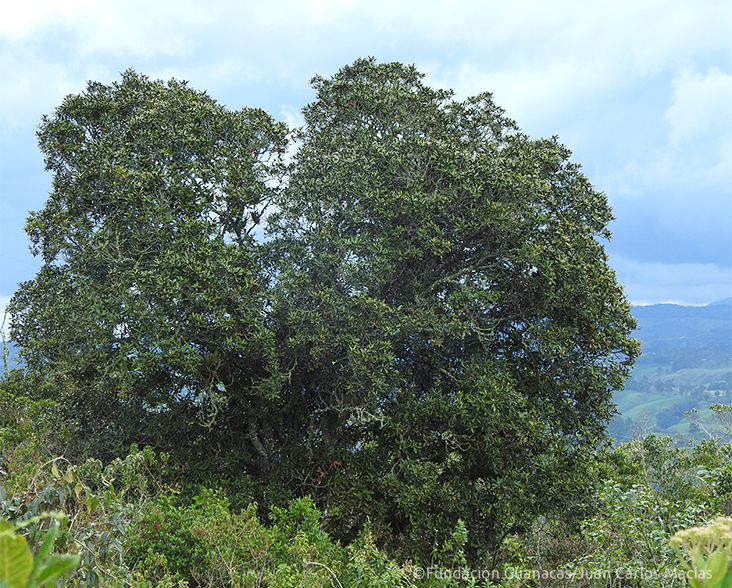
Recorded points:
(663, 327)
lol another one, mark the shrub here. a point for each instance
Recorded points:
(206, 544)
(706, 554)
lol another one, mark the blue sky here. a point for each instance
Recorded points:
(640, 91)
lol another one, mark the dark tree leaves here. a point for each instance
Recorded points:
(467, 259)
(427, 334)
(149, 307)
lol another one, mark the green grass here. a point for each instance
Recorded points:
(655, 387)
(635, 404)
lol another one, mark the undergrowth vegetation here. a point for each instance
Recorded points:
(144, 521)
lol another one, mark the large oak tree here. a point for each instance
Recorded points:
(428, 334)
(450, 306)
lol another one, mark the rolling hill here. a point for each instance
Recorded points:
(686, 364)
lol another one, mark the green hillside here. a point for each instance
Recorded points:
(686, 364)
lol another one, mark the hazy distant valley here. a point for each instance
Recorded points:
(686, 364)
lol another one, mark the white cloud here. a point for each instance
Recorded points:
(696, 156)
(292, 116)
(135, 27)
(532, 93)
(539, 58)
(575, 68)
(690, 283)
(702, 105)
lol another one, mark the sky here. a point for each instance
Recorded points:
(639, 90)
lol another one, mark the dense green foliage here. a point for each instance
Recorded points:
(135, 523)
(413, 322)
(150, 299)
(458, 318)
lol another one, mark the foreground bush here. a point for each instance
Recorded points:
(126, 525)
(706, 554)
(95, 504)
(649, 489)
(205, 544)
(20, 569)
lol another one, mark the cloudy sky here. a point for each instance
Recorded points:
(640, 91)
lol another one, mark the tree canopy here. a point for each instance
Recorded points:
(150, 300)
(413, 321)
